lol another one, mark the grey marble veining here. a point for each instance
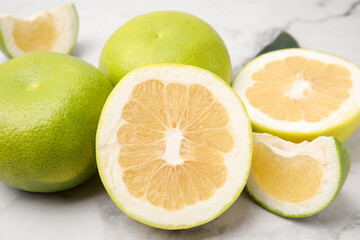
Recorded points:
(87, 212)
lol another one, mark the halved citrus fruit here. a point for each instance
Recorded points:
(300, 94)
(49, 30)
(174, 146)
(297, 180)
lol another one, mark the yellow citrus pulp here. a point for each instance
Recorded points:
(297, 180)
(300, 94)
(307, 89)
(39, 34)
(192, 121)
(49, 30)
(290, 179)
(176, 142)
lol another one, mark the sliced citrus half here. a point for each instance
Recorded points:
(297, 180)
(174, 146)
(300, 94)
(49, 30)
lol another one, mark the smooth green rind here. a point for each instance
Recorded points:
(164, 37)
(342, 131)
(50, 104)
(282, 41)
(345, 162)
(108, 189)
(2, 44)
(344, 158)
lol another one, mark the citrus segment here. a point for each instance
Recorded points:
(176, 102)
(297, 180)
(219, 139)
(130, 156)
(296, 94)
(197, 152)
(294, 179)
(49, 30)
(175, 140)
(37, 35)
(134, 112)
(207, 120)
(301, 94)
(137, 134)
(200, 98)
(149, 96)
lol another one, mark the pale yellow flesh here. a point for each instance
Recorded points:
(298, 88)
(290, 179)
(38, 34)
(156, 110)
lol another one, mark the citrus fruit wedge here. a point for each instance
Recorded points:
(49, 30)
(300, 94)
(174, 146)
(297, 180)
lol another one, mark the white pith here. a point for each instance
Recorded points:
(66, 23)
(237, 161)
(348, 109)
(297, 89)
(324, 150)
(172, 149)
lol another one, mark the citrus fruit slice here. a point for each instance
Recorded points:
(174, 146)
(164, 37)
(49, 30)
(297, 180)
(300, 94)
(50, 105)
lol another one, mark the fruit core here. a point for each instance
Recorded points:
(296, 88)
(38, 34)
(172, 143)
(172, 150)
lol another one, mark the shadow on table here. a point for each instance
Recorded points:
(233, 219)
(352, 145)
(336, 218)
(89, 189)
(81, 48)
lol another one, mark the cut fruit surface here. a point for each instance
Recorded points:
(49, 30)
(300, 94)
(174, 146)
(297, 180)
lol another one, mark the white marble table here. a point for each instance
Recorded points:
(87, 212)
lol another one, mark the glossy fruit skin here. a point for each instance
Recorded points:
(50, 104)
(164, 37)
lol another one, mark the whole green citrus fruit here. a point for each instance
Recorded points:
(164, 37)
(50, 104)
